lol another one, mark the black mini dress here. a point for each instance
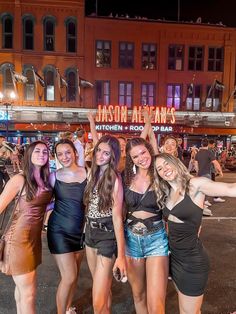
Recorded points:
(189, 262)
(66, 222)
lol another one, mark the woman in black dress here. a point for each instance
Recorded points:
(189, 261)
(65, 225)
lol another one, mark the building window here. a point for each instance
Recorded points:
(8, 85)
(49, 34)
(71, 35)
(193, 100)
(102, 92)
(195, 61)
(213, 98)
(148, 94)
(126, 56)
(49, 78)
(103, 54)
(71, 78)
(174, 92)
(29, 92)
(126, 94)
(149, 56)
(28, 33)
(176, 57)
(7, 32)
(215, 59)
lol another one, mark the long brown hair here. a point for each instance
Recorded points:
(104, 184)
(31, 185)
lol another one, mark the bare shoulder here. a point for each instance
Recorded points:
(82, 172)
(17, 182)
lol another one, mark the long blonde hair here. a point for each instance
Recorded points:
(183, 177)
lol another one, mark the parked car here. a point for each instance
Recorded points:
(230, 162)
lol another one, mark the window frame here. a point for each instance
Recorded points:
(4, 17)
(176, 57)
(125, 103)
(195, 58)
(128, 55)
(50, 36)
(144, 100)
(24, 34)
(173, 97)
(149, 62)
(68, 36)
(103, 42)
(74, 71)
(103, 94)
(214, 60)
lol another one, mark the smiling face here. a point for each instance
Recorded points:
(170, 146)
(141, 156)
(166, 170)
(40, 155)
(103, 154)
(65, 155)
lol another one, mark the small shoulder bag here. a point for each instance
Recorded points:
(2, 239)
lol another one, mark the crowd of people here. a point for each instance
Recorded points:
(134, 206)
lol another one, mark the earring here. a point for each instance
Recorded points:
(134, 169)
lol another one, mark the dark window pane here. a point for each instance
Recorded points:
(8, 25)
(8, 41)
(71, 45)
(49, 28)
(29, 27)
(29, 42)
(71, 28)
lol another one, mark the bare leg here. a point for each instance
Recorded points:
(26, 292)
(157, 278)
(17, 299)
(136, 269)
(189, 305)
(68, 269)
(101, 270)
(78, 257)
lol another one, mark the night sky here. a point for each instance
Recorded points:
(212, 11)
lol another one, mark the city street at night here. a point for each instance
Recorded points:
(219, 237)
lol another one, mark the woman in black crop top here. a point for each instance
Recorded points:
(189, 262)
(146, 239)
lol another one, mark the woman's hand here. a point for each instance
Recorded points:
(120, 263)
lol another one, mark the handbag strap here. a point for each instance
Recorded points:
(12, 213)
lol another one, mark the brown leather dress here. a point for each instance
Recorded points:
(23, 248)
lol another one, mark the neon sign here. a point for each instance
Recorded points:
(119, 114)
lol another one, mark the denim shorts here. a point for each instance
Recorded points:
(143, 246)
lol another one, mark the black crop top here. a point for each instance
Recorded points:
(148, 204)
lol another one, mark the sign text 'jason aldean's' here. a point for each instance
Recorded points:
(119, 114)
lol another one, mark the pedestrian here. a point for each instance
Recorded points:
(145, 235)
(104, 233)
(66, 222)
(80, 145)
(170, 145)
(23, 248)
(185, 194)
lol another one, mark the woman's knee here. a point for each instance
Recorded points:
(100, 304)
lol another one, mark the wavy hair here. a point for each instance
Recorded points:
(31, 185)
(105, 183)
(183, 178)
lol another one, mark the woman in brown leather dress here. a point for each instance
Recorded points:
(22, 252)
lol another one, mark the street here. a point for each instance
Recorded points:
(219, 237)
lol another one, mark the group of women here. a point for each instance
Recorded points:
(122, 216)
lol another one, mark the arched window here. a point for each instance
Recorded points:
(28, 33)
(29, 87)
(71, 34)
(8, 84)
(7, 31)
(49, 33)
(71, 78)
(49, 78)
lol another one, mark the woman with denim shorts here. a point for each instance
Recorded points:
(104, 233)
(145, 235)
